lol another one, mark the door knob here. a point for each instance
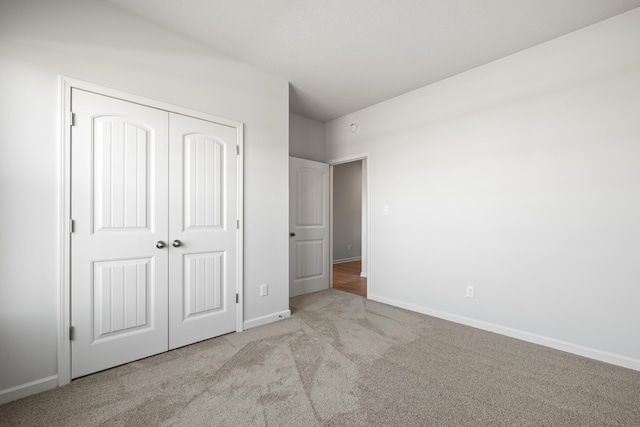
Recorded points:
(176, 243)
(292, 234)
(161, 244)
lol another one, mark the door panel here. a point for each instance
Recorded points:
(122, 293)
(121, 185)
(119, 206)
(204, 167)
(309, 221)
(203, 283)
(203, 276)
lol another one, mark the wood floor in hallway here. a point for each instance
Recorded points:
(346, 277)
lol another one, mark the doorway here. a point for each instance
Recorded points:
(349, 223)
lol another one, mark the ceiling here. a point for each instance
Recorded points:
(344, 55)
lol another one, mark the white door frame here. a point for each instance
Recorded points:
(64, 230)
(366, 247)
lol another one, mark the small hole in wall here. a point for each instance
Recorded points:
(353, 127)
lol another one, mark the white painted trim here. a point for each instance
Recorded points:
(347, 159)
(149, 102)
(265, 320)
(27, 389)
(591, 353)
(330, 226)
(64, 258)
(343, 260)
(364, 265)
(240, 233)
(366, 251)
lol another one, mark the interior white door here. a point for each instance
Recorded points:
(119, 208)
(309, 226)
(203, 232)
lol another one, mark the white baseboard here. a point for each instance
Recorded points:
(27, 389)
(591, 353)
(343, 260)
(264, 320)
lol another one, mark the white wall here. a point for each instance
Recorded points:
(521, 178)
(347, 211)
(96, 42)
(306, 138)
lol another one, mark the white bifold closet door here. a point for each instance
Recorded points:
(154, 244)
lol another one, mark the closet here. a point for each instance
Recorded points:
(154, 242)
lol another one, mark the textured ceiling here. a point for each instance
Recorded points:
(344, 55)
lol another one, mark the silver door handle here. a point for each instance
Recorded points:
(176, 243)
(161, 244)
(292, 234)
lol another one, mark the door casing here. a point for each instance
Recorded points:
(65, 225)
(366, 217)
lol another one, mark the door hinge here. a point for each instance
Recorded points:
(237, 150)
(70, 118)
(237, 298)
(237, 224)
(70, 226)
(72, 333)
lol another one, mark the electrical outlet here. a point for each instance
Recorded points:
(470, 291)
(348, 247)
(264, 290)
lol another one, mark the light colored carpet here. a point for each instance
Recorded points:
(341, 360)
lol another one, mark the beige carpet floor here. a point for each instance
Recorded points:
(341, 360)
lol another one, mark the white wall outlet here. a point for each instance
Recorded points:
(470, 291)
(348, 247)
(264, 290)
(385, 210)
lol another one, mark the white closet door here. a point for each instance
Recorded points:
(119, 208)
(202, 230)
